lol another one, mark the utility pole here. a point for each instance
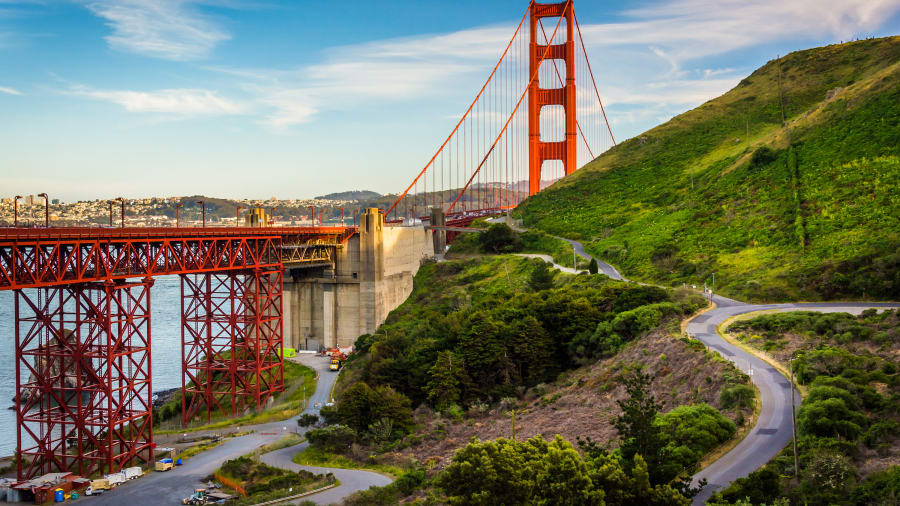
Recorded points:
(177, 214)
(122, 201)
(794, 421)
(574, 259)
(237, 216)
(16, 211)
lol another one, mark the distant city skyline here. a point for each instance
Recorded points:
(249, 100)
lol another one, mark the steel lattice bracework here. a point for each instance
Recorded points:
(231, 342)
(83, 378)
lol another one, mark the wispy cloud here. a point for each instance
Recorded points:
(9, 91)
(167, 29)
(183, 102)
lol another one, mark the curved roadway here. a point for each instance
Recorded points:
(172, 486)
(773, 430)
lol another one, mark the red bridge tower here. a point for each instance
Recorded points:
(538, 150)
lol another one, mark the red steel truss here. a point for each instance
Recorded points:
(83, 377)
(231, 340)
(31, 258)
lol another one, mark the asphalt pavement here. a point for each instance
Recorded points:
(773, 429)
(171, 487)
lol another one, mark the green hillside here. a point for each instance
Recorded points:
(806, 207)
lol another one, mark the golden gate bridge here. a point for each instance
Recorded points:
(82, 295)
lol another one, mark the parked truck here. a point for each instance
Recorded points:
(164, 465)
(97, 487)
(115, 479)
(133, 473)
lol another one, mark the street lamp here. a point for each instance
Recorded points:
(202, 203)
(46, 209)
(272, 215)
(312, 216)
(16, 211)
(178, 207)
(110, 213)
(237, 216)
(342, 216)
(122, 201)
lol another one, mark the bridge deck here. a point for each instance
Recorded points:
(40, 257)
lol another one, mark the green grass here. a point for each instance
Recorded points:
(820, 220)
(316, 457)
(288, 404)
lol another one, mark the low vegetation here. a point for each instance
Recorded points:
(849, 422)
(299, 385)
(256, 482)
(504, 334)
(787, 187)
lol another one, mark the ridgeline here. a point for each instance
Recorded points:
(787, 187)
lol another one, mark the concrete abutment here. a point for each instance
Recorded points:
(371, 274)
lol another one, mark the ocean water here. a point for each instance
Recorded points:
(165, 349)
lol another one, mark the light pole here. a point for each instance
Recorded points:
(202, 203)
(237, 216)
(272, 215)
(46, 209)
(312, 216)
(342, 216)
(122, 201)
(110, 213)
(794, 420)
(178, 207)
(16, 211)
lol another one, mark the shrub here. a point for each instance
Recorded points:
(541, 277)
(307, 420)
(593, 268)
(739, 396)
(763, 155)
(334, 438)
(499, 238)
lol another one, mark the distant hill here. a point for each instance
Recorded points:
(351, 195)
(807, 207)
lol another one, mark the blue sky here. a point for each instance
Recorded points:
(260, 98)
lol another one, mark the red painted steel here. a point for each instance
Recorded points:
(541, 151)
(231, 334)
(83, 378)
(31, 258)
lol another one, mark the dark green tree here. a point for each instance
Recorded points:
(636, 427)
(307, 420)
(541, 277)
(444, 385)
(593, 268)
(499, 238)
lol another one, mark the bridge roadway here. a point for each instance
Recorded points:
(773, 430)
(31, 258)
(172, 486)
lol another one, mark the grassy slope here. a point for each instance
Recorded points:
(682, 200)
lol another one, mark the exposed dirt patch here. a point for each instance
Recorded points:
(582, 402)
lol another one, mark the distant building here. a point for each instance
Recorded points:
(29, 200)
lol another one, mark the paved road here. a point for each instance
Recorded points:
(172, 486)
(772, 431)
(351, 480)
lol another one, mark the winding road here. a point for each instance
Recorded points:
(172, 486)
(773, 430)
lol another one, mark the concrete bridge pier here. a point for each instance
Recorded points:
(333, 303)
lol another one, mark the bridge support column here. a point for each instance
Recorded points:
(439, 236)
(232, 335)
(83, 379)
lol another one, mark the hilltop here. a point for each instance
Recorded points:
(807, 206)
(351, 195)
